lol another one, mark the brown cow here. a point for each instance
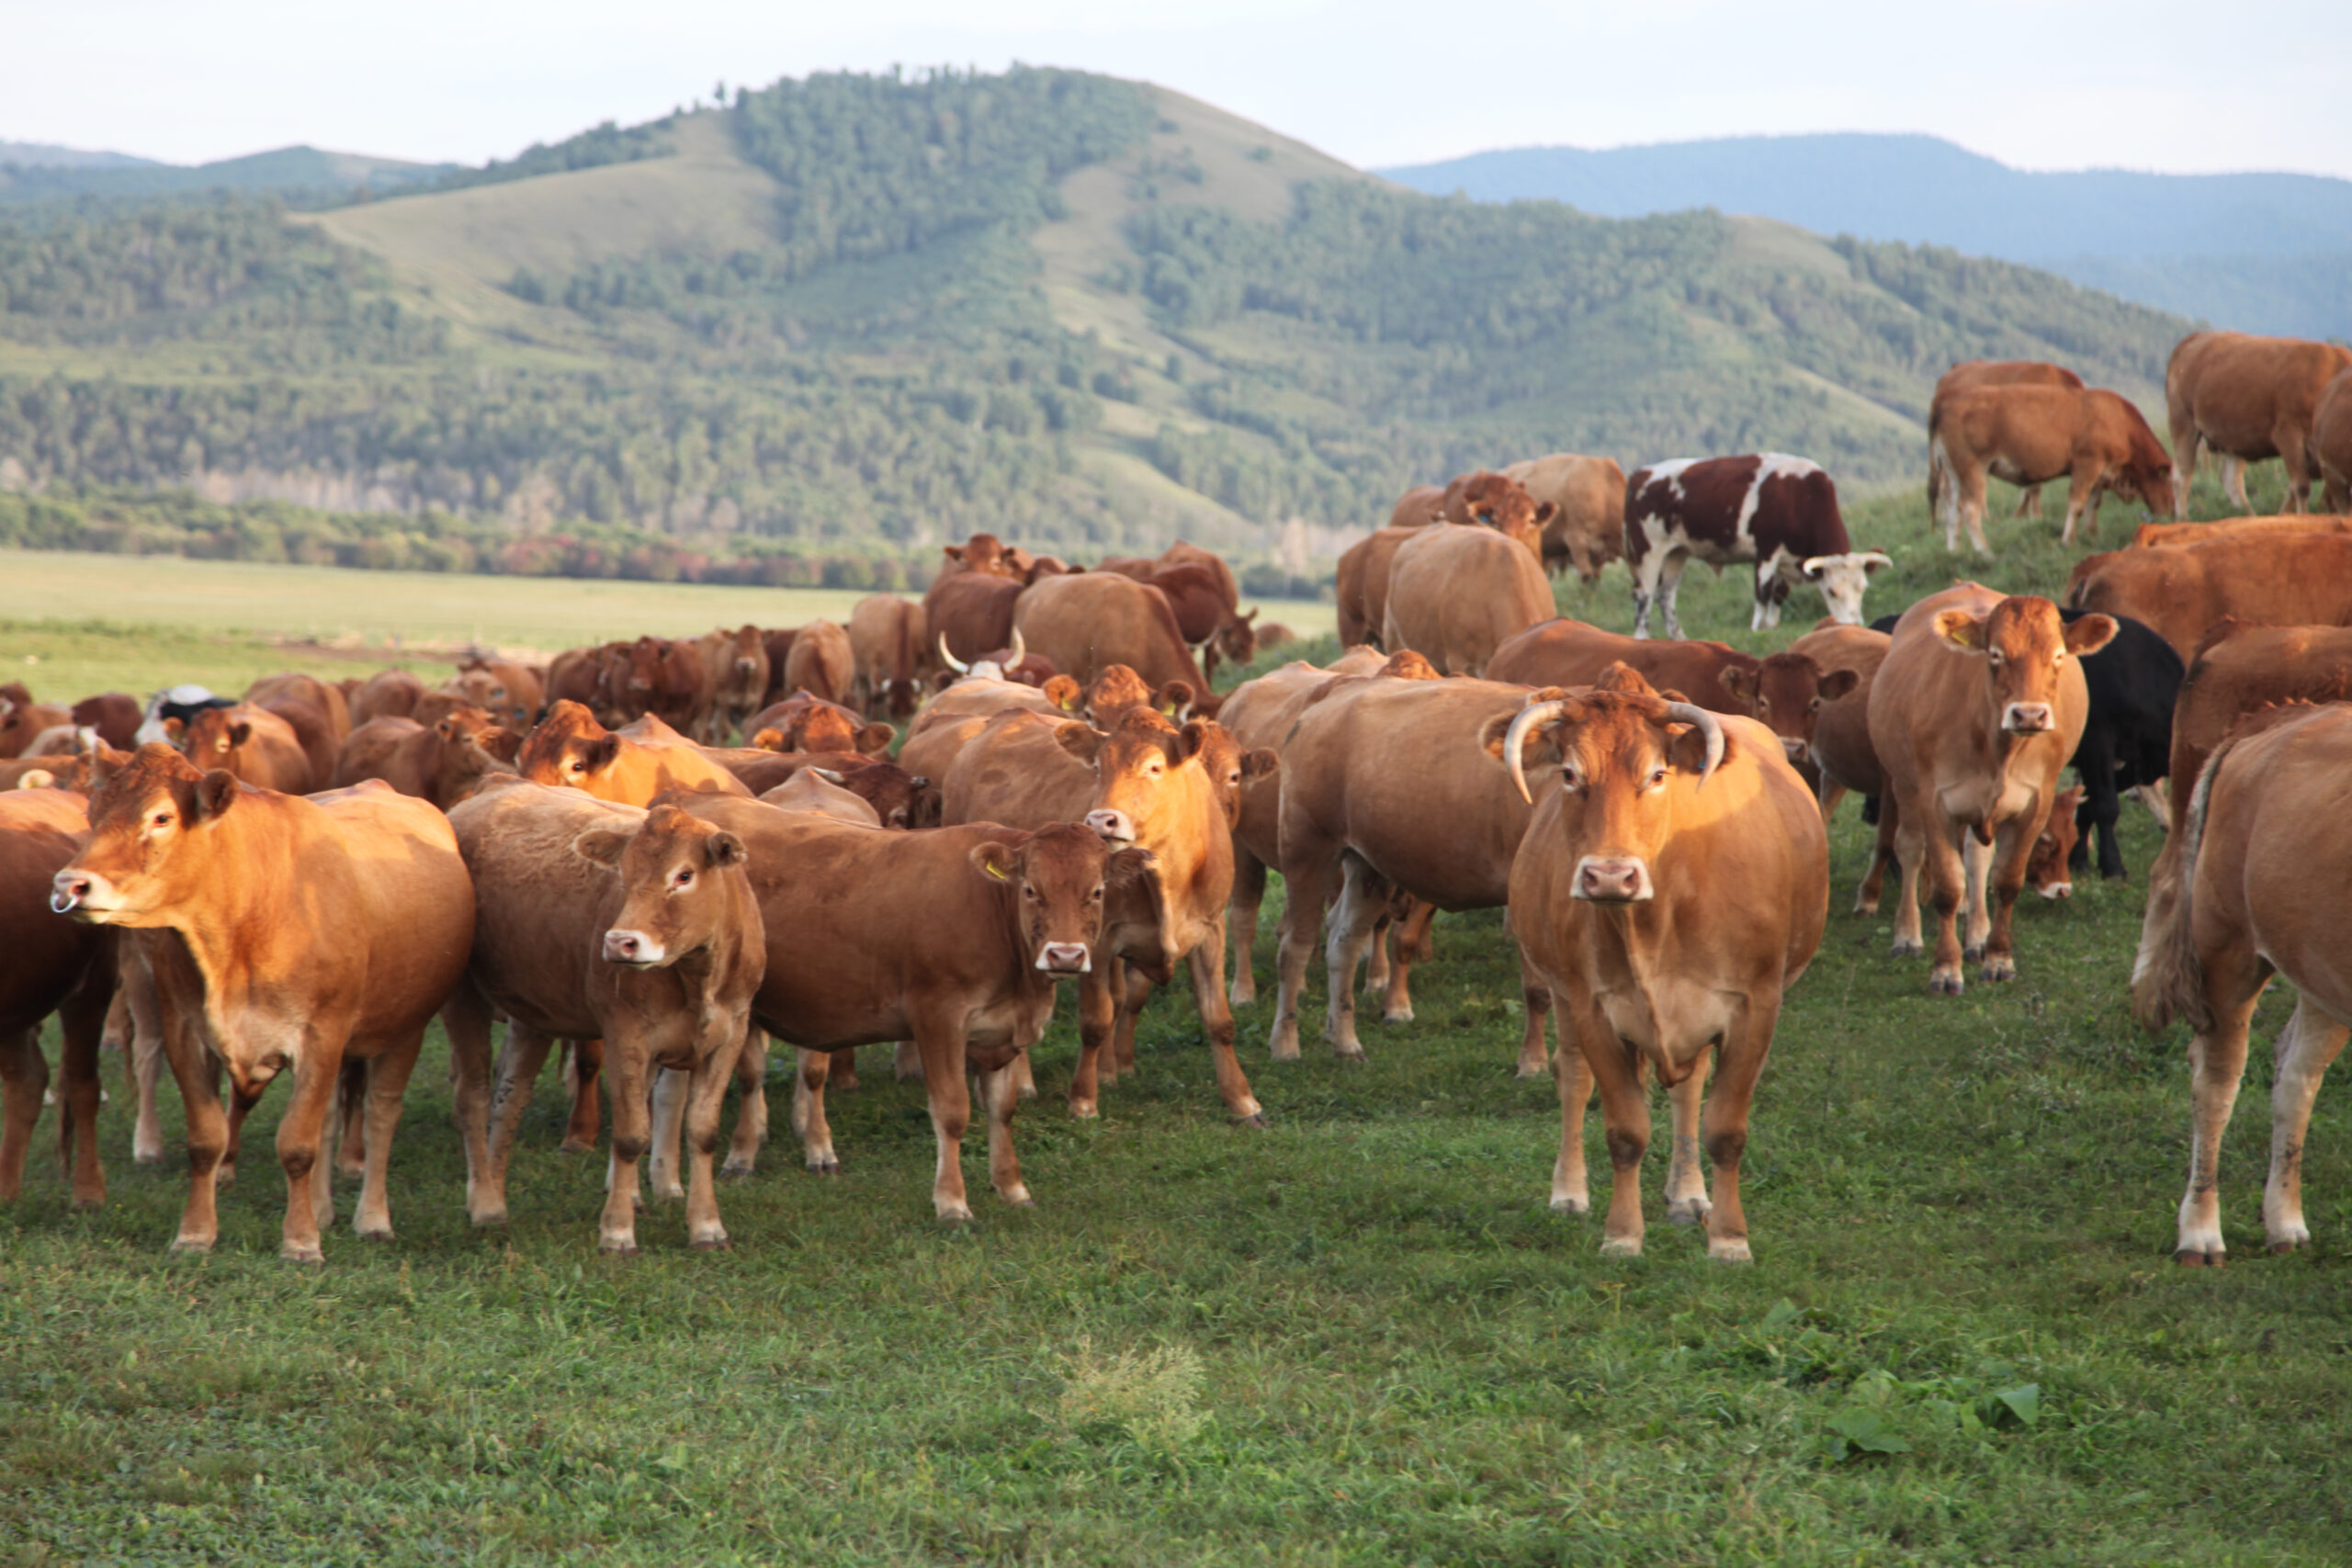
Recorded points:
(2331, 443)
(22, 722)
(114, 715)
(1785, 694)
(55, 967)
(887, 648)
(2046, 871)
(2245, 398)
(600, 921)
(1586, 528)
(443, 762)
(2093, 438)
(1417, 507)
(1386, 789)
(1671, 887)
(2264, 855)
(970, 614)
(327, 701)
(2161, 536)
(1203, 593)
(1977, 708)
(1456, 594)
(1088, 621)
(2279, 579)
(954, 939)
(1971, 374)
(804, 722)
(824, 793)
(735, 669)
(900, 800)
(251, 744)
(1839, 747)
(1363, 585)
(387, 693)
(1564, 652)
(511, 694)
(2239, 670)
(630, 766)
(1495, 500)
(312, 932)
(822, 662)
(577, 675)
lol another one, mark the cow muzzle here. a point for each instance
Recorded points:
(82, 895)
(2056, 890)
(1613, 879)
(633, 948)
(1064, 958)
(2026, 718)
(1798, 751)
(1112, 827)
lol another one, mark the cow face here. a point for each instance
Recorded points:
(1625, 760)
(1058, 879)
(1785, 694)
(1842, 580)
(2023, 643)
(1236, 640)
(1146, 768)
(472, 747)
(985, 553)
(900, 798)
(2045, 869)
(481, 687)
(568, 748)
(683, 881)
(213, 738)
(149, 839)
(2150, 478)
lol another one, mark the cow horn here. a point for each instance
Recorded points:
(950, 658)
(1526, 720)
(1020, 649)
(1709, 725)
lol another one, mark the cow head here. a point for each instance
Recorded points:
(1236, 637)
(1118, 690)
(900, 798)
(214, 738)
(2023, 643)
(1785, 692)
(1146, 768)
(150, 845)
(1060, 881)
(2046, 870)
(1407, 665)
(683, 887)
(1842, 580)
(1493, 500)
(984, 553)
(473, 746)
(568, 748)
(1626, 759)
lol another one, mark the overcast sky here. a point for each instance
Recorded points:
(2159, 85)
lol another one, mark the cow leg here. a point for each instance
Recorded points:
(626, 1070)
(1359, 909)
(1671, 589)
(584, 1061)
(1133, 999)
(1571, 1189)
(1001, 1091)
(518, 1073)
(1866, 897)
(1307, 887)
(1241, 915)
(2233, 483)
(2310, 1042)
(386, 1083)
(240, 1105)
(2185, 443)
(1646, 572)
(207, 1132)
(24, 1078)
(2101, 810)
(1207, 963)
(1625, 1115)
(1098, 1009)
(2030, 502)
(751, 1115)
(1947, 876)
(844, 1070)
(1766, 612)
(146, 1052)
(467, 1017)
(1537, 996)
(2233, 982)
(301, 1133)
(2012, 849)
(939, 1034)
(906, 1062)
(82, 1022)
(1976, 864)
(1686, 1188)
(705, 1096)
(2293, 447)
(1025, 1077)
(1410, 941)
(1910, 864)
(1739, 1064)
(1827, 795)
(350, 1150)
(669, 1123)
(808, 1110)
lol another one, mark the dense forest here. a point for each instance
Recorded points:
(882, 367)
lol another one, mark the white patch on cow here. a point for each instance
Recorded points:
(1843, 579)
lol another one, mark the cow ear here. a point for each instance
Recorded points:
(1839, 684)
(768, 740)
(1080, 740)
(1193, 738)
(502, 744)
(994, 860)
(241, 732)
(600, 752)
(1546, 511)
(1740, 681)
(1962, 630)
(1064, 692)
(953, 552)
(2089, 634)
(1174, 697)
(1261, 763)
(876, 738)
(1539, 747)
(215, 793)
(602, 846)
(724, 849)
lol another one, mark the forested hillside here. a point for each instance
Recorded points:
(851, 315)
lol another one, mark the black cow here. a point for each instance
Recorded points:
(1778, 512)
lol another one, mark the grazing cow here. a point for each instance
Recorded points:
(2238, 670)
(2245, 398)
(1456, 594)
(2047, 870)
(55, 967)
(954, 939)
(1088, 621)
(1385, 790)
(312, 932)
(1206, 600)
(1363, 586)
(442, 762)
(2028, 435)
(251, 744)
(2265, 851)
(2132, 684)
(822, 662)
(1564, 653)
(630, 766)
(1971, 374)
(1273, 635)
(113, 716)
(2159, 535)
(1586, 528)
(1672, 885)
(887, 647)
(1777, 512)
(600, 921)
(2279, 579)
(1979, 704)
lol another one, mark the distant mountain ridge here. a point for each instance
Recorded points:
(49, 155)
(46, 175)
(2257, 252)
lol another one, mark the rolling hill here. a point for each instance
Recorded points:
(304, 174)
(865, 313)
(2259, 251)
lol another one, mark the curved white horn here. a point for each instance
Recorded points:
(1868, 558)
(950, 658)
(1526, 718)
(1812, 565)
(1709, 725)
(1020, 648)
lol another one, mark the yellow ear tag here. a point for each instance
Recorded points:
(996, 871)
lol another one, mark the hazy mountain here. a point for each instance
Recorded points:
(309, 172)
(2259, 251)
(48, 155)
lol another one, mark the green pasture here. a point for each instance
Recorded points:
(1358, 1336)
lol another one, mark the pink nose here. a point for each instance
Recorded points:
(1613, 880)
(1114, 826)
(1794, 747)
(1065, 957)
(67, 891)
(2026, 718)
(624, 947)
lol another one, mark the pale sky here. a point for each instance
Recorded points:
(2161, 84)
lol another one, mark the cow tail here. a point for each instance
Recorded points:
(2168, 980)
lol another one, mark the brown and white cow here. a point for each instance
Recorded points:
(313, 930)
(2265, 851)
(1564, 652)
(2094, 439)
(1971, 374)
(1586, 528)
(55, 967)
(442, 762)
(1088, 621)
(886, 649)
(2245, 398)
(2279, 579)
(1974, 712)
(1671, 887)
(1456, 594)
(1776, 511)
(593, 920)
(630, 766)
(250, 743)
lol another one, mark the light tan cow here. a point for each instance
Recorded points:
(1970, 374)
(631, 765)
(2162, 536)
(822, 662)
(1361, 586)
(886, 649)
(2092, 438)
(1587, 529)
(2244, 398)
(1086, 622)
(1456, 593)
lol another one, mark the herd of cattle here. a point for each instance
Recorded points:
(915, 827)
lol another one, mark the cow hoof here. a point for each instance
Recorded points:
(306, 1255)
(617, 1246)
(1621, 1246)
(1999, 968)
(146, 1156)
(1255, 1122)
(2190, 1257)
(576, 1147)
(2283, 1248)
(1402, 1015)
(2115, 877)
(1346, 1054)
(1972, 954)
(381, 1233)
(827, 1166)
(191, 1247)
(1019, 1199)
(713, 1244)
(1572, 1205)
(1085, 1111)
(1525, 1072)
(1687, 1211)
(735, 1170)
(1027, 1092)
(954, 1214)
(488, 1218)
(1906, 947)
(1731, 1249)
(1944, 982)
(1866, 906)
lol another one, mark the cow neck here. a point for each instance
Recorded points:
(246, 925)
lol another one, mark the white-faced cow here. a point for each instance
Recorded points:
(1777, 512)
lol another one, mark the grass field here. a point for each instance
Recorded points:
(1356, 1338)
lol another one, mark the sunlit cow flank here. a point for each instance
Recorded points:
(1456, 594)
(631, 766)
(2279, 579)
(2244, 398)
(2092, 438)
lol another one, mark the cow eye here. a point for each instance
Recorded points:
(163, 819)
(578, 766)
(1657, 776)
(1095, 896)
(1814, 706)
(683, 879)
(1994, 658)
(1570, 777)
